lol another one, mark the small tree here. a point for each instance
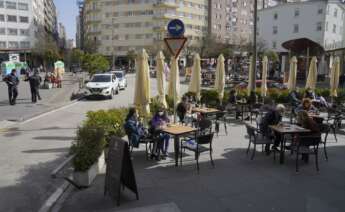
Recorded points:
(271, 55)
(93, 63)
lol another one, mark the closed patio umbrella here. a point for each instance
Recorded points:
(195, 81)
(292, 74)
(161, 78)
(312, 75)
(334, 78)
(174, 83)
(220, 77)
(251, 82)
(264, 76)
(142, 93)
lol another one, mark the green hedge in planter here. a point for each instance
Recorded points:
(87, 147)
(210, 98)
(111, 121)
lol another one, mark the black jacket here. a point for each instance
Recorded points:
(11, 80)
(272, 117)
(35, 80)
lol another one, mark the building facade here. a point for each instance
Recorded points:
(231, 21)
(23, 22)
(320, 21)
(118, 26)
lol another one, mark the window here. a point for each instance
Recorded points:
(13, 45)
(320, 11)
(12, 18)
(275, 16)
(1, 4)
(295, 28)
(296, 12)
(274, 44)
(25, 44)
(2, 44)
(318, 26)
(2, 18)
(11, 5)
(23, 6)
(24, 32)
(334, 28)
(2, 31)
(326, 26)
(12, 31)
(275, 30)
(23, 19)
(335, 12)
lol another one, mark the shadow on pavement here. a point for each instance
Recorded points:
(55, 150)
(57, 138)
(235, 184)
(31, 190)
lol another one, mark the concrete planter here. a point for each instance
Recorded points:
(86, 178)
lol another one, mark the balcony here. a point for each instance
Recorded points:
(165, 4)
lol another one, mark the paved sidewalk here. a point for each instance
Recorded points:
(236, 184)
(25, 109)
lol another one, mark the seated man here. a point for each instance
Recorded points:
(182, 109)
(272, 117)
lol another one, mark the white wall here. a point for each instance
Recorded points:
(307, 21)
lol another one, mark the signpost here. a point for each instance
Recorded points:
(175, 43)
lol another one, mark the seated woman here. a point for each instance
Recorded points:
(158, 122)
(307, 106)
(133, 127)
(307, 122)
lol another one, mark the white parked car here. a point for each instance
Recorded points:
(120, 75)
(103, 85)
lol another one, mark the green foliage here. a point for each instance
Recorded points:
(155, 105)
(111, 121)
(93, 63)
(77, 56)
(210, 98)
(46, 49)
(272, 55)
(88, 146)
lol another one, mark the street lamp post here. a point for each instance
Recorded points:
(112, 43)
(253, 73)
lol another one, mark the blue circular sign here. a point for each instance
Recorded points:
(176, 28)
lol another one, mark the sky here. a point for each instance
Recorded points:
(67, 13)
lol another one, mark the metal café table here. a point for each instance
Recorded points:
(177, 131)
(286, 129)
(205, 110)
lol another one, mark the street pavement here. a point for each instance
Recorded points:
(25, 109)
(31, 150)
(236, 184)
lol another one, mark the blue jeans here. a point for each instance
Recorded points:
(165, 138)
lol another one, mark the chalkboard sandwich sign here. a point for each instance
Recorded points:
(119, 172)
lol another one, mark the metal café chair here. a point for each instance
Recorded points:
(256, 138)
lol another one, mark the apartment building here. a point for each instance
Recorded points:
(118, 26)
(23, 22)
(231, 21)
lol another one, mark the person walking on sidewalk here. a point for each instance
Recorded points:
(35, 81)
(12, 82)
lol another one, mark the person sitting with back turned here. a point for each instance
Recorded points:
(272, 117)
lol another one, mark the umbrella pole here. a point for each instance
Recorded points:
(175, 106)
